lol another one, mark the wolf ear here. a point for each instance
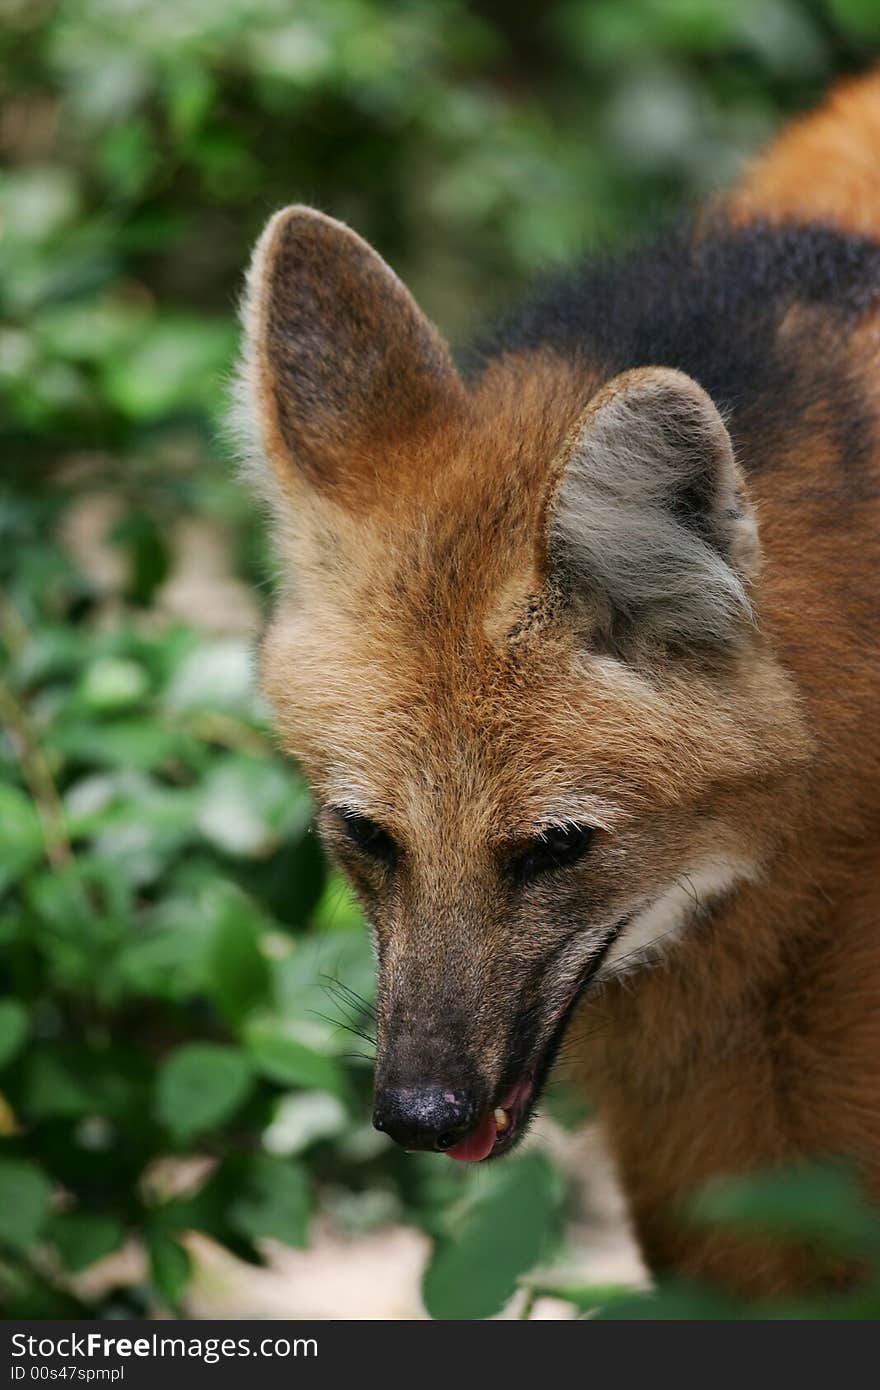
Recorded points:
(649, 524)
(338, 358)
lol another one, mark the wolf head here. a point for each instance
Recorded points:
(518, 652)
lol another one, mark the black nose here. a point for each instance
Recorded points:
(425, 1117)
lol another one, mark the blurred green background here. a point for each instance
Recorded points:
(178, 973)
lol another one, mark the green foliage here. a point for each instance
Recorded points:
(200, 1086)
(13, 1028)
(500, 1236)
(179, 973)
(820, 1203)
(24, 1200)
(170, 1265)
(817, 1210)
(273, 1200)
(155, 1003)
(169, 936)
(81, 1238)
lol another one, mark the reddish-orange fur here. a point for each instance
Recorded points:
(399, 665)
(824, 167)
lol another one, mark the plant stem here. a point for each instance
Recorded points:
(32, 759)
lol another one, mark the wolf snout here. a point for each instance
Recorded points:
(425, 1117)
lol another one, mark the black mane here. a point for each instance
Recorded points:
(712, 305)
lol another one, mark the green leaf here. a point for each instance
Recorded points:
(113, 683)
(13, 1029)
(53, 1088)
(139, 744)
(39, 201)
(283, 1058)
(236, 968)
(274, 1200)
(587, 1298)
(671, 1302)
(817, 1202)
(859, 17)
(216, 675)
(160, 961)
(82, 1238)
(199, 1086)
(127, 156)
(338, 911)
(80, 916)
(189, 95)
(176, 363)
(504, 1233)
(332, 974)
(70, 1080)
(52, 653)
(249, 804)
(170, 1265)
(25, 1192)
(304, 1118)
(22, 842)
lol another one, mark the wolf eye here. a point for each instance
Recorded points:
(369, 837)
(557, 846)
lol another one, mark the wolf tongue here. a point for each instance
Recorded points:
(479, 1144)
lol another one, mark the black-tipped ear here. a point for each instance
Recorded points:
(649, 524)
(338, 357)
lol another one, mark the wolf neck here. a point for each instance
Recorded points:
(682, 906)
(708, 956)
(728, 1054)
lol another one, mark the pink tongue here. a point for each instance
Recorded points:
(479, 1144)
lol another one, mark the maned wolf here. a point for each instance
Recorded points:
(580, 649)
